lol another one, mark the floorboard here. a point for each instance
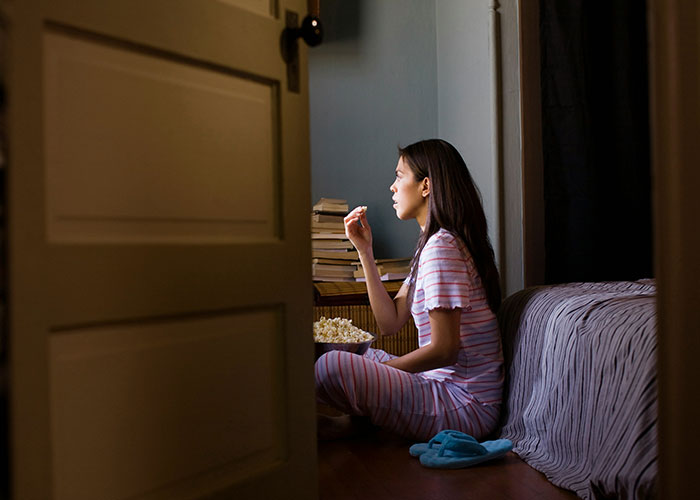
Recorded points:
(378, 466)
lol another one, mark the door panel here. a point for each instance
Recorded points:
(143, 148)
(139, 406)
(259, 6)
(205, 31)
(160, 297)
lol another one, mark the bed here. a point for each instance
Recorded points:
(581, 393)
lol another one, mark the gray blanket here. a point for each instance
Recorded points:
(581, 395)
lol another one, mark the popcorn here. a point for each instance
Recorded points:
(339, 331)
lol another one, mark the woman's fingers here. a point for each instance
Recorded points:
(363, 218)
(351, 214)
(356, 211)
(356, 226)
(355, 215)
(351, 223)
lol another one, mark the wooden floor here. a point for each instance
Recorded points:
(378, 466)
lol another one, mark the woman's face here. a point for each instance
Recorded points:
(410, 195)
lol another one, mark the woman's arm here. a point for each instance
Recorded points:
(443, 348)
(390, 314)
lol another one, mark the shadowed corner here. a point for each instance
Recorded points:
(341, 19)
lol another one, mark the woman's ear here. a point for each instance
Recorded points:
(426, 187)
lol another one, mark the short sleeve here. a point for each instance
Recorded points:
(445, 278)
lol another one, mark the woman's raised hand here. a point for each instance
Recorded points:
(359, 235)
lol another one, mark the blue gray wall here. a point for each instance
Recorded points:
(395, 71)
(372, 86)
(479, 112)
(464, 93)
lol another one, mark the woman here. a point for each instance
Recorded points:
(454, 379)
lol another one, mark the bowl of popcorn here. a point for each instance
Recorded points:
(339, 334)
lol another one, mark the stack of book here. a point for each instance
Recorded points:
(333, 256)
(389, 269)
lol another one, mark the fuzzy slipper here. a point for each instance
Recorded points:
(457, 452)
(418, 449)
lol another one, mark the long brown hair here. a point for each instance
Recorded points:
(454, 204)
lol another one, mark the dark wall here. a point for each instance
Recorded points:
(595, 124)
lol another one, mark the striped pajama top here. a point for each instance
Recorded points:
(447, 278)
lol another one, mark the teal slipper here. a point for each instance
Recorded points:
(457, 452)
(418, 449)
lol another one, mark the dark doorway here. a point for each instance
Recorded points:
(595, 129)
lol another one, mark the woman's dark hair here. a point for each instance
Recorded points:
(454, 204)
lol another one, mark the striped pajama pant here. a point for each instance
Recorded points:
(408, 404)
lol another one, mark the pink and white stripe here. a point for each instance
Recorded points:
(465, 396)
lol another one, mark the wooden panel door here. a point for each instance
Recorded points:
(160, 290)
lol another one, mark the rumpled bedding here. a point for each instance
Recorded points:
(581, 392)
